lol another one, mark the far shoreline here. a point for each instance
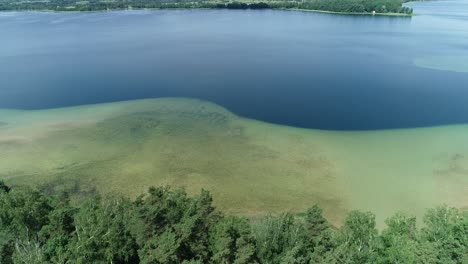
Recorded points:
(346, 13)
(207, 8)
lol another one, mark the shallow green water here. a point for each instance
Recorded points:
(251, 167)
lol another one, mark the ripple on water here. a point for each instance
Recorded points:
(443, 63)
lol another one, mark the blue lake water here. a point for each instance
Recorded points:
(286, 67)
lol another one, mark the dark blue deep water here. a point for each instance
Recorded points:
(294, 68)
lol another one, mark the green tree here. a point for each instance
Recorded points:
(28, 251)
(168, 226)
(280, 239)
(231, 241)
(23, 213)
(4, 187)
(357, 241)
(7, 248)
(319, 233)
(174, 227)
(447, 229)
(102, 232)
(57, 234)
(402, 244)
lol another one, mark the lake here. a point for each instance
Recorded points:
(299, 69)
(303, 69)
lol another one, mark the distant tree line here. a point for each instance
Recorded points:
(345, 6)
(167, 226)
(357, 6)
(239, 5)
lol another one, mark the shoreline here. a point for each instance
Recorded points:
(207, 8)
(346, 13)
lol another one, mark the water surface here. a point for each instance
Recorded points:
(251, 167)
(294, 68)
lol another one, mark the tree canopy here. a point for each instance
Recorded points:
(342, 6)
(167, 225)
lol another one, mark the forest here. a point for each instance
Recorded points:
(166, 225)
(339, 6)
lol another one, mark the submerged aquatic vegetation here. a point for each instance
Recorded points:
(251, 167)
